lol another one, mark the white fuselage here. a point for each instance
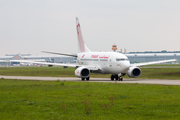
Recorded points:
(107, 62)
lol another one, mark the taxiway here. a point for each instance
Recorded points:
(139, 81)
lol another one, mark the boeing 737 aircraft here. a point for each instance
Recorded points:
(116, 64)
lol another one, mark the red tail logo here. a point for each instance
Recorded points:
(80, 39)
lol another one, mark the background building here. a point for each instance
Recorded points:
(41, 58)
(147, 57)
(134, 57)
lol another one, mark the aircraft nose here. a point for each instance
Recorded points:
(125, 66)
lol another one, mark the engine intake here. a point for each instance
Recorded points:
(134, 72)
(82, 72)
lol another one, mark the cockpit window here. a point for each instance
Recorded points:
(121, 59)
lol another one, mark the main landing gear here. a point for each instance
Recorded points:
(116, 77)
(85, 78)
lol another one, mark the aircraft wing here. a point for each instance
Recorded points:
(46, 63)
(151, 63)
(94, 68)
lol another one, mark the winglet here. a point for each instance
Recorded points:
(82, 46)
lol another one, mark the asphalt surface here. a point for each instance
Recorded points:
(140, 81)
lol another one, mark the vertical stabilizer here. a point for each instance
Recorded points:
(82, 46)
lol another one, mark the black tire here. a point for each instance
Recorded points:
(112, 77)
(82, 79)
(116, 77)
(87, 78)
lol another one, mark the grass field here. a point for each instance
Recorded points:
(62, 100)
(147, 73)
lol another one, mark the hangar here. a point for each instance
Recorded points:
(147, 57)
(41, 58)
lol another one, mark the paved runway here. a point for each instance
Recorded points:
(141, 81)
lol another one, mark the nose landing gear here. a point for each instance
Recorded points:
(120, 78)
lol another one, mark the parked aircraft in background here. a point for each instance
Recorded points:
(116, 64)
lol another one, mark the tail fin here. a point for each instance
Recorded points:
(82, 46)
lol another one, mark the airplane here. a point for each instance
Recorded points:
(116, 64)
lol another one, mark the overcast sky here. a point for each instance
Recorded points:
(31, 26)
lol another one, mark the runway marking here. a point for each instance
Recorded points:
(139, 81)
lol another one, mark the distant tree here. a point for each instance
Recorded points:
(163, 51)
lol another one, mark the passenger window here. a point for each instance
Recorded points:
(121, 59)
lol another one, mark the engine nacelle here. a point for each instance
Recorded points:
(82, 72)
(134, 72)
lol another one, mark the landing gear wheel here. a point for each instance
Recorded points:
(112, 77)
(87, 78)
(116, 77)
(82, 79)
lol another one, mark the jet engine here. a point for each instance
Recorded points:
(134, 72)
(82, 72)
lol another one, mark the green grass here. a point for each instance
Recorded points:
(160, 73)
(147, 73)
(37, 71)
(22, 100)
